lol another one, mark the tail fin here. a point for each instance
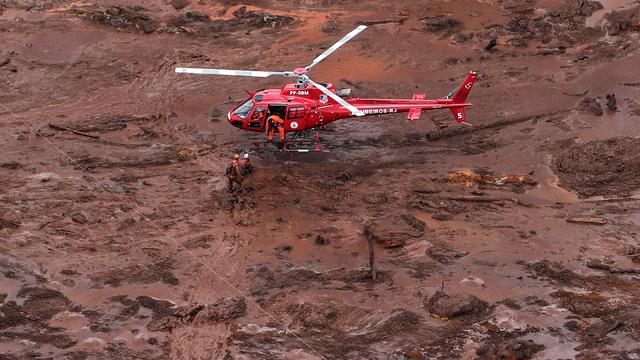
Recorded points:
(463, 91)
(459, 115)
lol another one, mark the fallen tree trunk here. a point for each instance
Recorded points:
(62, 128)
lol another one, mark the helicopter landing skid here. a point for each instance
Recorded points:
(294, 145)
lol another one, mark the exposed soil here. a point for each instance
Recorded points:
(516, 238)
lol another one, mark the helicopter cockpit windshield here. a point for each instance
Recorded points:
(243, 110)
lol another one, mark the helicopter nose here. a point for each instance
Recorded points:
(234, 120)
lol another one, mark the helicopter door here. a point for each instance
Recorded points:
(296, 117)
(257, 118)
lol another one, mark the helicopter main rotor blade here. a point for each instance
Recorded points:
(335, 46)
(249, 73)
(338, 99)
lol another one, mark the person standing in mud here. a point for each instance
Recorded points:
(246, 167)
(234, 175)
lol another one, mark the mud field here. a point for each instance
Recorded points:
(516, 238)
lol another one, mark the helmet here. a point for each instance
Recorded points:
(246, 156)
(236, 156)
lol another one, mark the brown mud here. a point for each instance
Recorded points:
(120, 240)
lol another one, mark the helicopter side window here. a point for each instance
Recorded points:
(258, 113)
(257, 118)
(296, 112)
(243, 110)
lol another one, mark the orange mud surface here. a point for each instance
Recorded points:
(125, 244)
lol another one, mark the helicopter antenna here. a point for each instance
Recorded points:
(302, 79)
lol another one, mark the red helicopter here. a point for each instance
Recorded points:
(308, 105)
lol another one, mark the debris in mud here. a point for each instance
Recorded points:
(321, 240)
(414, 222)
(611, 102)
(602, 167)
(7, 222)
(159, 307)
(423, 270)
(111, 122)
(5, 58)
(557, 273)
(262, 19)
(116, 187)
(392, 231)
(440, 24)
(587, 305)
(486, 179)
(491, 44)
(458, 305)
(13, 165)
(444, 255)
(200, 242)
(633, 252)
(589, 105)
(315, 315)
(156, 155)
(145, 274)
(167, 317)
(42, 303)
(330, 27)
(610, 268)
(222, 310)
(587, 220)
(179, 4)
(266, 279)
(621, 21)
(126, 18)
(515, 349)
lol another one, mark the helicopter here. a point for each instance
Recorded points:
(306, 104)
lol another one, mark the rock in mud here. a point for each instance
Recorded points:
(454, 306)
(589, 105)
(603, 167)
(222, 310)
